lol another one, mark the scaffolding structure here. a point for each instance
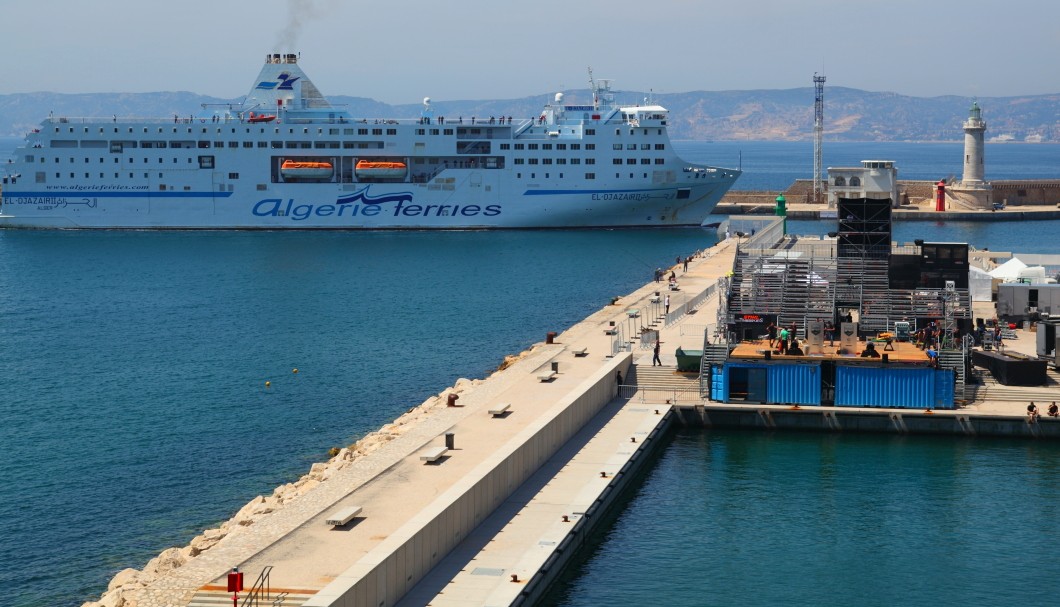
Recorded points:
(802, 281)
(806, 280)
(818, 136)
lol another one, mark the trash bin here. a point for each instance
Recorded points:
(450, 440)
(550, 337)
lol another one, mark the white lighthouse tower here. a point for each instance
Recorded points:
(974, 131)
(972, 192)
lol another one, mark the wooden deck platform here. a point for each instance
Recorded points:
(903, 352)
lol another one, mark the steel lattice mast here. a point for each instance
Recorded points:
(818, 135)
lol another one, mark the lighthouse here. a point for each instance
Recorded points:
(972, 191)
(974, 130)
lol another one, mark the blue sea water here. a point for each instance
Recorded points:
(753, 518)
(775, 165)
(133, 410)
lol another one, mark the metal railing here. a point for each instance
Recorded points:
(648, 338)
(618, 340)
(254, 597)
(668, 396)
(690, 329)
(679, 311)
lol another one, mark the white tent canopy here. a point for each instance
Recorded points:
(979, 284)
(1010, 270)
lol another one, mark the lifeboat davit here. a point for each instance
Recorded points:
(261, 117)
(380, 169)
(306, 170)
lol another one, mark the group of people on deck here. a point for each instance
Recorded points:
(782, 340)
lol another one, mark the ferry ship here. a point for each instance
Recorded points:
(286, 158)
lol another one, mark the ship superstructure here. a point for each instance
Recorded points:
(286, 158)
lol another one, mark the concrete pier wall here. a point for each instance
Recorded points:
(861, 420)
(393, 567)
(599, 512)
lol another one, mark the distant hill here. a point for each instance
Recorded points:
(762, 115)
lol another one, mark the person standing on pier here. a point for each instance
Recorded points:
(666, 303)
(655, 357)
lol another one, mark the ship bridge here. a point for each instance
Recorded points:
(645, 115)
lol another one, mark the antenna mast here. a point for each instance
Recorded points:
(592, 87)
(818, 135)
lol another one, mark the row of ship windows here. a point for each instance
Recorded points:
(517, 161)
(587, 176)
(347, 131)
(552, 160)
(547, 146)
(117, 160)
(41, 176)
(118, 147)
(587, 161)
(291, 131)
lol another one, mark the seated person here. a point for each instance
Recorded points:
(1032, 411)
(794, 349)
(870, 351)
(1053, 411)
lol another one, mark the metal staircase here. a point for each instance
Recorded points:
(954, 359)
(661, 384)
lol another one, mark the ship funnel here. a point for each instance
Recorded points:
(282, 83)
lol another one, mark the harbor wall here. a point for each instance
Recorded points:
(400, 561)
(602, 510)
(1014, 193)
(817, 419)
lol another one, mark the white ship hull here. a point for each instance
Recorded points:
(392, 206)
(570, 167)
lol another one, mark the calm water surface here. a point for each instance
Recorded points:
(751, 518)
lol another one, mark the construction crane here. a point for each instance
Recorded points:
(818, 136)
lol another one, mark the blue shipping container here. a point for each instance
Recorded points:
(798, 384)
(775, 383)
(944, 392)
(888, 386)
(719, 389)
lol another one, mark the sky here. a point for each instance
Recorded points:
(399, 51)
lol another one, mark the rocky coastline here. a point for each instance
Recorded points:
(128, 587)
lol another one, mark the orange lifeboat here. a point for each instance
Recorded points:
(380, 169)
(261, 118)
(306, 170)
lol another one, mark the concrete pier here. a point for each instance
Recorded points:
(532, 464)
